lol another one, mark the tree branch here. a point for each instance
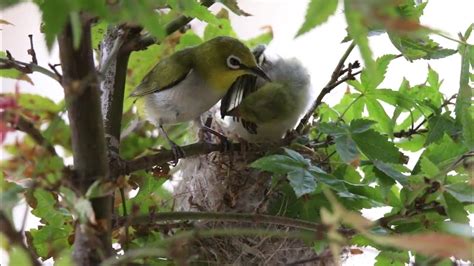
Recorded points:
(227, 217)
(81, 89)
(26, 68)
(333, 83)
(20, 123)
(15, 238)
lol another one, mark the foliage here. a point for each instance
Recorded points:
(367, 137)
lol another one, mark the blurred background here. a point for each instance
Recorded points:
(319, 50)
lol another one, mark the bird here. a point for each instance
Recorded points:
(260, 110)
(181, 87)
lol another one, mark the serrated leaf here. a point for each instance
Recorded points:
(390, 171)
(361, 125)
(278, 164)
(37, 103)
(192, 8)
(377, 112)
(455, 209)
(234, 7)
(347, 150)
(463, 192)
(222, 28)
(301, 181)
(48, 241)
(467, 121)
(46, 208)
(428, 167)
(370, 81)
(55, 15)
(149, 194)
(318, 12)
(359, 32)
(392, 258)
(438, 125)
(417, 48)
(376, 146)
(333, 129)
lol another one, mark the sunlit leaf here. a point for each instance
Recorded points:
(455, 209)
(318, 12)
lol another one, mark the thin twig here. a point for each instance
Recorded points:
(20, 123)
(14, 237)
(125, 213)
(31, 51)
(333, 82)
(26, 68)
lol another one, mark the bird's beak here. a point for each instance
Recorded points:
(257, 71)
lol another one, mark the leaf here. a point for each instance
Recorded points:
(48, 241)
(98, 31)
(392, 258)
(467, 122)
(149, 195)
(46, 209)
(359, 32)
(100, 188)
(461, 192)
(187, 40)
(318, 12)
(428, 167)
(377, 112)
(333, 129)
(55, 14)
(455, 209)
(13, 73)
(370, 81)
(301, 181)
(414, 48)
(464, 100)
(432, 244)
(192, 8)
(361, 125)
(83, 208)
(347, 150)
(265, 38)
(278, 164)
(376, 147)
(391, 172)
(2, 21)
(438, 125)
(234, 7)
(37, 103)
(18, 256)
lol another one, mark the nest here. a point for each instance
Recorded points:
(219, 182)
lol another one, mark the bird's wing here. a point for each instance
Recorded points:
(166, 74)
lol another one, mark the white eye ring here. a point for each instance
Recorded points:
(233, 62)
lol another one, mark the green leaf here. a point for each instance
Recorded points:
(333, 129)
(192, 8)
(264, 38)
(390, 171)
(417, 48)
(361, 125)
(149, 195)
(46, 208)
(187, 40)
(13, 73)
(467, 121)
(234, 7)
(222, 28)
(464, 100)
(347, 149)
(55, 15)
(455, 209)
(98, 31)
(278, 164)
(377, 112)
(376, 146)
(438, 125)
(302, 181)
(428, 167)
(18, 256)
(359, 33)
(318, 12)
(48, 241)
(461, 191)
(370, 81)
(37, 103)
(392, 258)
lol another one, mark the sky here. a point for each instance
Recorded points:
(319, 50)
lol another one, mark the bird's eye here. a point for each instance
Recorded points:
(233, 62)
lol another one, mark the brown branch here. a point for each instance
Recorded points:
(228, 217)
(15, 238)
(333, 83)
(91, 245)
(31, 51)
(21, 123)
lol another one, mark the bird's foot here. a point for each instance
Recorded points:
(178, 153)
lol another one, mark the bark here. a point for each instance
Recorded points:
(81, 87)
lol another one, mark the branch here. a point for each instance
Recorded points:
(88, 142)
(15, 238)
(229, 217)
(333, 83)
(20, 123)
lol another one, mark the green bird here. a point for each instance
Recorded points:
(189, 82)
(261, 110)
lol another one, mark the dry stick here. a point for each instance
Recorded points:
(333, 82)
(14, 237)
